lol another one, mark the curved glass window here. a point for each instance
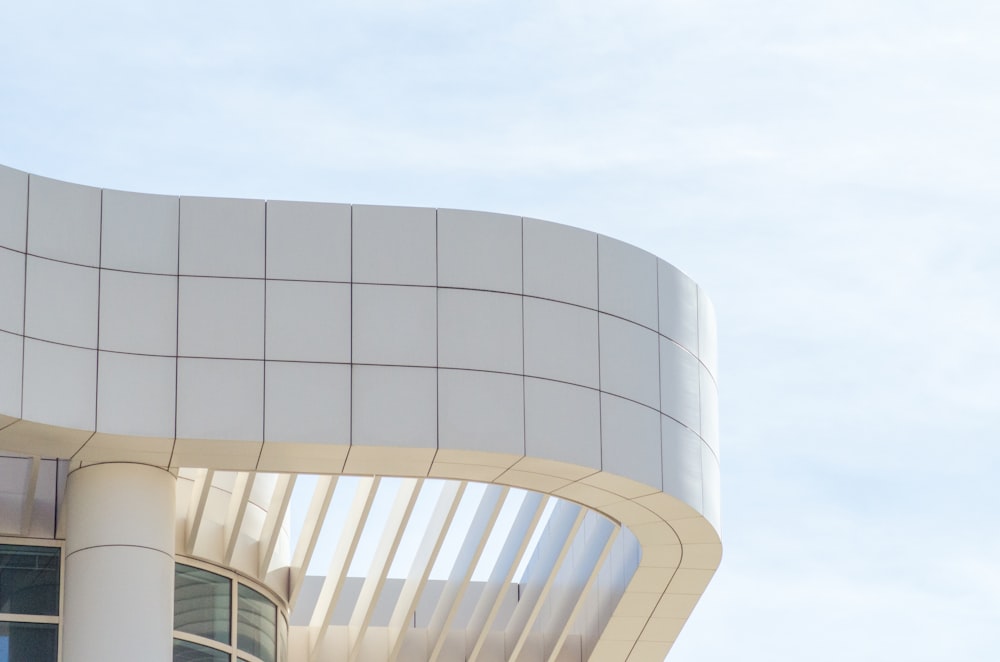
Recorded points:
(256, 625)
(218, 618)
(202, 601)
(186, 651)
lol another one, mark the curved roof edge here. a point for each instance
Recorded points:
(451, 344)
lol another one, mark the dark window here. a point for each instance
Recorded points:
(29, 580)
(28, 642)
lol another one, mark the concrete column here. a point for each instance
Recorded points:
(118, 604)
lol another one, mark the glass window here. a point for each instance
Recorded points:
(185, 651)
(28, 642)
(201, 604)
(256, 624)
(282, 639)
(29, 580)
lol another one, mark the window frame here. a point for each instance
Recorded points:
(236, 579)
(7, 617)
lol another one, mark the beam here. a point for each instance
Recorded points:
(423, 563)
(276, 512)
(465, 564)
(239, 499)
(340, 563)
(306, 544)
(585, 569)
(196, 508)
(30, 488)
(501, 578)
(364, 608)
(540, 575)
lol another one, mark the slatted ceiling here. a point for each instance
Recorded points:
(380, 542)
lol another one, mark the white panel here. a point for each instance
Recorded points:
(481, 411)
(222, 237)
(64, 221)
(395, 406)
(308, 321)
(60, 384)
(139, 232)
(13, 207)
(560, 262)
(628, 282)
(707, 333)
(395, 325)
(135, 394)
(308, 241)
(11, 352)
(709, 410)
(562, 422)
(61, 302)
(394, 245)
(679, 385)
(11, 291)
(678, 306)
(480, 330)
(479, 250)
(561, 342)
(711, 487)
(630, 434)
(308, 402)
(220, 399)
(682, 463)
(221, 317)
(138, 313)
(629, 361)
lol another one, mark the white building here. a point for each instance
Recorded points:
(508, 425)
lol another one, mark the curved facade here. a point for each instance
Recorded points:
(232, 345)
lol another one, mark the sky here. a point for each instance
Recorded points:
(827, 171)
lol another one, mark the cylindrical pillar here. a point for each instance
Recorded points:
(118, 603)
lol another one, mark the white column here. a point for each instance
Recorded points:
(118, 603)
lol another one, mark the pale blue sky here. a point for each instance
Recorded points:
(828, 171)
